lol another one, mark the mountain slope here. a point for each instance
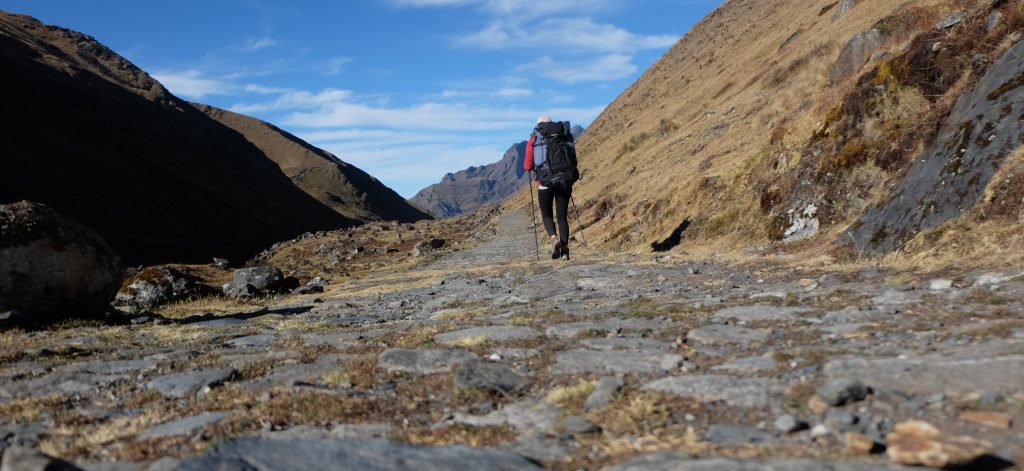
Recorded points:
(745, 143)
(467, 190)
(86, 132)
(341, 186)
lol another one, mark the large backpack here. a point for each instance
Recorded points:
(559, 166)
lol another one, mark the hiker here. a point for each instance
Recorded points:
(551, 151)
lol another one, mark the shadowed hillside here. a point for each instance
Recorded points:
(828, 129)
(88, 133)
(341, 186)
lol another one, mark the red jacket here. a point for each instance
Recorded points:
(528, 163)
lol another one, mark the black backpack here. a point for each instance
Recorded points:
(559, 168)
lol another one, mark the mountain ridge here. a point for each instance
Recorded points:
(467, 190)
(341, 186)
(156, 178)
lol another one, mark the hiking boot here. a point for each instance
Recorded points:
(556, 251)
(565, 252)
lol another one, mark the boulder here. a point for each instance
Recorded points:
(156, 286)
(856, 53)
(53, 268)
(254, 281)
(427, 246)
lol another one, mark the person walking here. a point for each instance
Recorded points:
(551, 152)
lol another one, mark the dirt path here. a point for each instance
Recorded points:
(580, 365)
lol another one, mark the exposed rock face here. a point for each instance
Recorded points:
(156, 286)
(164, 181)
(53, 267)
(344, 188)
(253, 281)
(856, 53)
(466, 191)
(951, 176)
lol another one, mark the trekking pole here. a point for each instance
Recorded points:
(578, 222)
(533, 215)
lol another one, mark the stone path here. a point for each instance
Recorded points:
(485, 359)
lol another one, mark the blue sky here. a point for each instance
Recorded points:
(407, 90)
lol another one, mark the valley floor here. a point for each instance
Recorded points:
(599, 363)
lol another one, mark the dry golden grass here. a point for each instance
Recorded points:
(215, 305)
(717, 103)
(571, 397)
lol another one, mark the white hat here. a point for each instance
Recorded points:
(543, 119)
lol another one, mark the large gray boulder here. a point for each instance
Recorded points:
(156, 286)
(254, 281)
(855, 54)
(53, 268)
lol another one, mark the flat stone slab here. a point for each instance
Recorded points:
(341, 431)
(603, 393)
(745, 366)
(614, 361)
(897, 298)
(531, 414)
(222, 322)
(735, 435)
(240, 360)
(740, 392)
(935, 374)
(725, 335)
(626, 343)
(675, 461)
(369, 455)
(110, 367)
(186, 426)
(190, 383)
(294, 374)
(423, 361)
(602, 284)
(337, 340)
(262, 340)
(491, 377)
(575, 329)
(485, 334)
(542, 449)
(760, 312)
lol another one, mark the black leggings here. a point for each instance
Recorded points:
(561, 197)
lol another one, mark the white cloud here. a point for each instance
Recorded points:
(609, 67)
(335, 64)
(191, 84)
(261, 90)
(519, 8)
(409, 168)
(295, 99)
(579, 34)
(507, 93)
(429, 116)
(257, 44)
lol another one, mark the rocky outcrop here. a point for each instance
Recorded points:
(53, 268)
(258, 280)
(951, 175)
(856, 53)
(164, 182)
(156, 286)
(341, 186)
(466, 191)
